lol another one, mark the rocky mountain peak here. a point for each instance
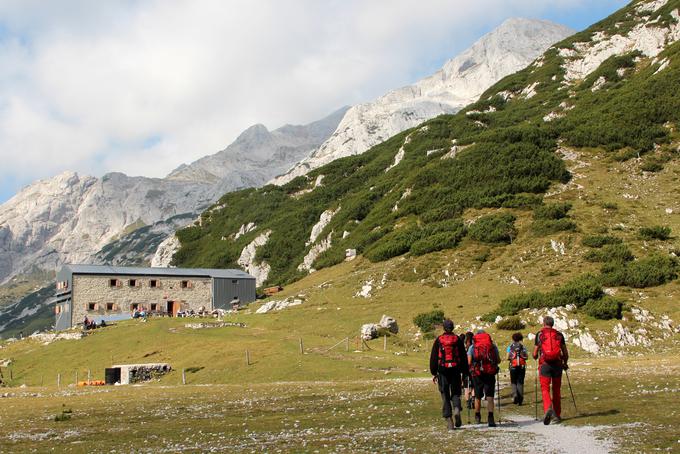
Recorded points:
(505, 50)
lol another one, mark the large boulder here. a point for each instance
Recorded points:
(389, 323)
(369, 331)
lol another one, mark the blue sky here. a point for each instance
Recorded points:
(141, 86)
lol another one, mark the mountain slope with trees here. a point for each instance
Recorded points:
(410, 193)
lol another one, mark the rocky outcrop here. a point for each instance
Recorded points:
(121, 220)
(278, 305)
(647, 37)
(165, 251)
(509, 48)
(247, 259)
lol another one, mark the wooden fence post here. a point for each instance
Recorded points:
(385, 343)
(347, 344)
(247, 358)
(58, 380)
(76, 377)
(184, 377)
(89, 376)
(302, 349)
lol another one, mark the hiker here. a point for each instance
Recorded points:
(467, 381)
(551, 352)
(517, 357)
(448, 366)
(483, 360)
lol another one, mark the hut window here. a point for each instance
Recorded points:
(91, 306)
(110, 307)
(185, 284)
(113, 282)
(132, 282)
(134, 306)
(153, 283)
(234, 281)
(154, 306)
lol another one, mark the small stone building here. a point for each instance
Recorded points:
(113, 293)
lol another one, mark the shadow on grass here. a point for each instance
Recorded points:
(594, 414)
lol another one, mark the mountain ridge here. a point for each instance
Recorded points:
(460, 81)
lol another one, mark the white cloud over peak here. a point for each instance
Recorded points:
(143, 86)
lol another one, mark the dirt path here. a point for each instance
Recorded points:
(533, 436)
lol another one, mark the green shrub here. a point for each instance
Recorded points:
(510, 324)
(544, 227)
(426, 320)
(651, 165)
(494, 228)
(436, 242)
(597, 241)
(578, 291)
(611, 253)
(605, 308)
(552, 211)
(656, 232)
(647, 272)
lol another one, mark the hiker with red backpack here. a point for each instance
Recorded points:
(517, 357)
(448, 367)
(483, 360)
(551, 352)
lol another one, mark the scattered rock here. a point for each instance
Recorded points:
(365, 291)
(558, 247)
(204, 325)
(278, 305)
(48, 338)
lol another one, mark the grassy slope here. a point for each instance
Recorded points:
(330, 313)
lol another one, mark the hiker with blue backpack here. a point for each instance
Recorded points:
(551, 352)
(448, 366)
(483, 361)
(517, 357)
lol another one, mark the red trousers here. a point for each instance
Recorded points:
(555, 402)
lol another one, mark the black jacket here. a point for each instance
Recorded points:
(462, 354)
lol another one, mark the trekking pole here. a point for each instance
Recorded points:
(573, 399)
(536, 393)
(498, 387)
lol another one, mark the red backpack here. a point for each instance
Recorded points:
(448, 350)
(516, 359)
(484, 355)
(551, 345)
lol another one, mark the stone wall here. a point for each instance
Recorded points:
(88, 289)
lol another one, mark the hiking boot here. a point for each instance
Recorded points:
(548, 415)
(449, 423)
(515, 400)
(478, 418)
(556, 419)
(459, 422)
(492, 422)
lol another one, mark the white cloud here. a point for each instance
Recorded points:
(85, 85)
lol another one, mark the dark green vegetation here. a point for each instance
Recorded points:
(513, 323)
(41, 319)
(552, 218)
(656, 232)
(480, 158)
(597, 241)
(577, 291)
(426, 321)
